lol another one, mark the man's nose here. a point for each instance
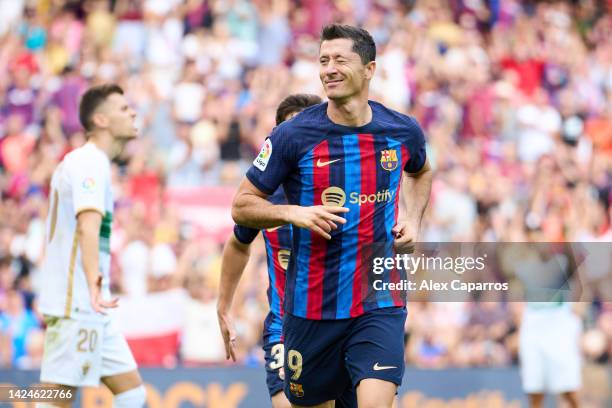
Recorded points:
(330, 68)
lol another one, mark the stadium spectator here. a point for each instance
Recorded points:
(17, 323)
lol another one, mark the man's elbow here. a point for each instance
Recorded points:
(236, 215)
(238, 210)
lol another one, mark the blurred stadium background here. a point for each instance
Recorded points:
(515, 98)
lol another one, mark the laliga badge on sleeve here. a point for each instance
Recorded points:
(88, 185)
(261, 161)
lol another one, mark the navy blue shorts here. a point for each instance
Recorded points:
(323, 358)
(274, 355)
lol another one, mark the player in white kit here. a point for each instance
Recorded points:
(82, 345)
(549, 351)
(549, 344)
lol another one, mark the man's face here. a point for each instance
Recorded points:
(119, 117)
(341, 71)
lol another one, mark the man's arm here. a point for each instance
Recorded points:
(235, 258)
(416, 188)
(88, 229)
(250, 208)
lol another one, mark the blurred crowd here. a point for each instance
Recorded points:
(515, 98)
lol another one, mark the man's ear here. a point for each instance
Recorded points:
(99, 120)
(370, 69)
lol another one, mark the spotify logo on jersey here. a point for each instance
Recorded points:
(333, 196)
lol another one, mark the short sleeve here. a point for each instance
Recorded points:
(416, 147)
(87, 183)
(274, 162)
(245, 235)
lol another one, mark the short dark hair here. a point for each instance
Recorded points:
(93, 98)
(363, 43)
(295, 103)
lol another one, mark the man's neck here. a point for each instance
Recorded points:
(355, 112)
(104, 141)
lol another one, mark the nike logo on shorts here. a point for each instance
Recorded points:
(323, 164)
(379, 367)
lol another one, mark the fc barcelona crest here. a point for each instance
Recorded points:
(296, 389)
(388, 159)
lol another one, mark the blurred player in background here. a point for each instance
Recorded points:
(549, 345)
(82, 345)
(549, 352)
(278, 250)
(342, 158)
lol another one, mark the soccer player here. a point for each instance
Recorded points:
(549, 352)
(82, 345)
(341, 165)
(549, 343)
(278, 250)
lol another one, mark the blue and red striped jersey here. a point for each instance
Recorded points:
(278, 251)
(319, 162)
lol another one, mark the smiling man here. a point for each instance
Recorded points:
(341, 164)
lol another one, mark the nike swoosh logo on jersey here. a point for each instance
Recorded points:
(379, 367)
(323, 164)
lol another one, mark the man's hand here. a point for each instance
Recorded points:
(228, 333)
(406, 234)
(321, 219)
(97, 302)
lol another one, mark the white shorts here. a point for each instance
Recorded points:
(550, 353)
(79, 352)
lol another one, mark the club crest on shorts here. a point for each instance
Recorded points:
(86, 368)
(296, 389)
(388, 159)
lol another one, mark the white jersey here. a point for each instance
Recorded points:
(82, 181)
(546, 281)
